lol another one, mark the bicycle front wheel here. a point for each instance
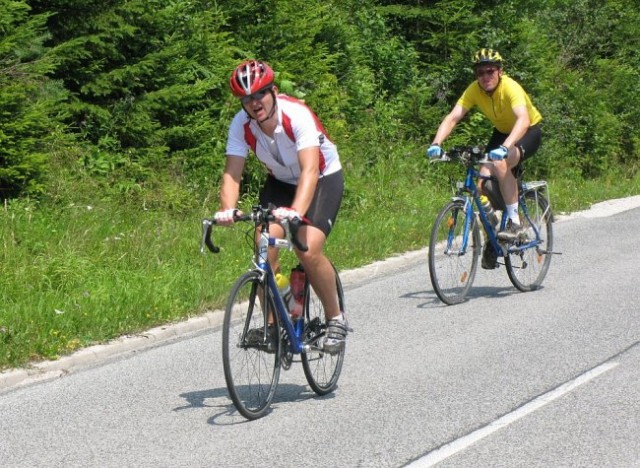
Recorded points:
(251, 361)
(528, 266)
(452, 264)
(321, 369)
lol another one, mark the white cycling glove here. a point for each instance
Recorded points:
(224, 216)
(284, 212)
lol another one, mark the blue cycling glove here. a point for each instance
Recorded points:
(434, 151)
(498, 154)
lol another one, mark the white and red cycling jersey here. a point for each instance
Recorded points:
(298, 128)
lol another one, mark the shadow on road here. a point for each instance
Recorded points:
(476, 292)
(219, 398)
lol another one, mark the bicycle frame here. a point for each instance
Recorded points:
(252, 362)
(261, 218)
(295, 329)
(473, 197)
(455, 243)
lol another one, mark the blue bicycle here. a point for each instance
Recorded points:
(254, 352)
(456, 240)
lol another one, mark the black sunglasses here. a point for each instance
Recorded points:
(486, 71)
(258, 95)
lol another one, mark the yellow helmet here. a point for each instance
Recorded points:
(486, 56)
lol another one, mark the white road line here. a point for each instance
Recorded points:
(462, 443)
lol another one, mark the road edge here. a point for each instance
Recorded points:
(131, 344)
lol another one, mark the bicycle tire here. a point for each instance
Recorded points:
(452, 272)
(527, 268)
(321, 369)
(251, 371)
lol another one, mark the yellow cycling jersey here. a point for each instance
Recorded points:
(499, 106)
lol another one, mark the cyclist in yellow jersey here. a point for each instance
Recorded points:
(516, 134)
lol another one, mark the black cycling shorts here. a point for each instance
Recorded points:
(528, 144)
(324, 206)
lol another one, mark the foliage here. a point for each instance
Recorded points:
(143, 83)
(123, 106)
(592, 87)
(29, 125)
(148, 85)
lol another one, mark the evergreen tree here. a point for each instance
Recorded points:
(148, 81)
(28, 101)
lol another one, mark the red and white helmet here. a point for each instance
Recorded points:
(250, 76)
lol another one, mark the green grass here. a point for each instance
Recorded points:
(76, 275)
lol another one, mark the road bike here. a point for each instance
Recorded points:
(252, 361)
(456, 240)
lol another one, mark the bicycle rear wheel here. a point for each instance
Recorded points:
(321, 369)
(251, 366)
(452, 266)
(527, 267)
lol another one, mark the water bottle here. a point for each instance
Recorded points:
(285, 291)
(297, 290)
(488, 210)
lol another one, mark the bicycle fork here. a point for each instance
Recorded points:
(454, 219)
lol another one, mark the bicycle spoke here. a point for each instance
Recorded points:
(528, 259)
(453, 259)
(321, 369)
(251, 368)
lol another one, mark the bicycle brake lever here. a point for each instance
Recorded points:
(294, 225)
(207, 225)
(443, 158)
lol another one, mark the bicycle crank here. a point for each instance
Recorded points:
(286, 355)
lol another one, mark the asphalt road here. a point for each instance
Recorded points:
(547, 378)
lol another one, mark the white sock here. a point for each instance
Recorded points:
(512, 212)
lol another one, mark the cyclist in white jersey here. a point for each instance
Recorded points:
(304, 177)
